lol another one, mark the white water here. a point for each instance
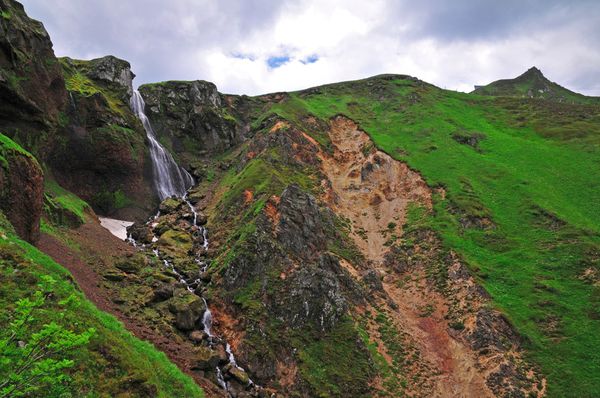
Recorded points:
(170, 179)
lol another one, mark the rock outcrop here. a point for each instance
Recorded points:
(32, 89)
(194, 118)
(103, 158)
(21, 189)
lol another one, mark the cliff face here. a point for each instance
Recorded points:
(102, 155)
(32, 89)
(21, 189)
(73, 115)
(193, 119)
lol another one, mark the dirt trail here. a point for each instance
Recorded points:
(96, 248)
(373, 190)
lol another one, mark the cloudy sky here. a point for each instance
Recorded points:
(260, 46)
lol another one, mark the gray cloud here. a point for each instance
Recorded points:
(453, 44)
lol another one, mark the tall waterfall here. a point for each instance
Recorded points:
(170, 179)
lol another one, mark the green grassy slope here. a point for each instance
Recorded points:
(114, 362)
(538, 186)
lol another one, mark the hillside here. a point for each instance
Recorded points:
(372, 238)
(533, 84)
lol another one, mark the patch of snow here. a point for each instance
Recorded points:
(116, 227)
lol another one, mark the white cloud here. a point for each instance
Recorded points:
(229, 42)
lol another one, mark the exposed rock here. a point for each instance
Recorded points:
(175, 243)
(112, 70)
(140, 232)
(169, 205)
(193, 116)
(21, 189)
(163, 292)
(471, 139)
(198, 336)
(492, 331)
(372, 279)
(132, 263)
(207, 358)
(302, 225)
(187, 308)
(32, 89)
(238, 374)
(314, 296)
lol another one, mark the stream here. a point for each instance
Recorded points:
(171, 180)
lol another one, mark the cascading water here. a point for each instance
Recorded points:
(170, 179)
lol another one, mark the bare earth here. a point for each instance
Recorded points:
(373, 190)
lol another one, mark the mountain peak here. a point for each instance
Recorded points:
(533, 72)
(532, 84)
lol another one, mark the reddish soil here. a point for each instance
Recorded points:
(373, 190)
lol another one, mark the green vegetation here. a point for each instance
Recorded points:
(33, 356)
(81, 84)
(9, 147)
(78, 82)
(57, 196)
(523, 211)
(533, 84)
(112, 363)
(336, 364)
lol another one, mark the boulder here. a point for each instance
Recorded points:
(162, 293)
(206, 358)
(198, 336)
(169, 205)
(175, 243)
(132, 263)
(187, 308)
(140, 232)
(237, 374)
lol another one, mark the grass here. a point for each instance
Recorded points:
(516, 171)
(115, 361)
(8, 147)
(325, 363)
(67, 200)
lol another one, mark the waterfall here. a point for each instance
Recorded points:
(172, 180)
(169, 178)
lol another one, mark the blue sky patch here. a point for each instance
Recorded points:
(276, 62)
(311, 59)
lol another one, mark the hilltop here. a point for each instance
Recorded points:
(533, 84)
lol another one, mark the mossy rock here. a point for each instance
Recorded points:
(187, 308)
(174, 243)
(238, 374)
(207, 358)
(132, 264)
(169, 205)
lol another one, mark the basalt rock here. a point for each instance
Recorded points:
(302, 225)
(132, 263)
(21, 189)
(32, 89)
(187, 308)
(103, 158)
(113, 70)
(193, 116)
(140, 232)
(316, 295)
